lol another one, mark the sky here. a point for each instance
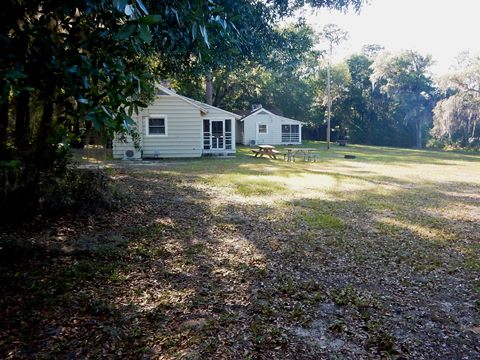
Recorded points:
(441, 28)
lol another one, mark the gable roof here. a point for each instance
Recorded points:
(197, 104)
(236, 116)
(261, 109)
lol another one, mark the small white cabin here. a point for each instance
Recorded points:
(264, 127)
(177, 126)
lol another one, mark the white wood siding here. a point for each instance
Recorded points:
(274, 129)
(119, 147)
(184, 130)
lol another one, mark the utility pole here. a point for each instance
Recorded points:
(329, 97)
(334, 36)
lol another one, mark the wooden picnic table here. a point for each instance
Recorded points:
(268, 150)
(306, 152)
(301, 149)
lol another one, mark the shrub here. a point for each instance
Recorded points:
(79, 190)
(448, 144)
(50, 192)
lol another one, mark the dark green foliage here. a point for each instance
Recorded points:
(54, 191)
(87, 190)
(63, 68)
(280, 79)
(76, 65)
(81, 65)
(23, 183)
(285, 7)
(405, 79)
(369, 116)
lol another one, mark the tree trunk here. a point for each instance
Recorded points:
(77, 141)
(329, 99)
(3, 121)
(465, 132)
(42, 156)
(418, 125)
(22, 121)
(209, 88)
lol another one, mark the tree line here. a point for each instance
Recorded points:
(68, 66)
(377, 98)
(76, 66)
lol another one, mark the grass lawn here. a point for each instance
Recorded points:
(247, 258)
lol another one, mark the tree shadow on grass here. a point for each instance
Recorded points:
(191, 279)
(407, 275)
(181, 282)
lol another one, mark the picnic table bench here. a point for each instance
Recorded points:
(268, 150)
(307, 153)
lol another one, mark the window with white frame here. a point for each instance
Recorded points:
(157, 125)
(290, 133)
(262, 128)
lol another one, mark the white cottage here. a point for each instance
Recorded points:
(264, 127)
(177, 126)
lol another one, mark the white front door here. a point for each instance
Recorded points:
(262, 132)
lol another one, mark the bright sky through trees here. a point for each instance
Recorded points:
(437, 27)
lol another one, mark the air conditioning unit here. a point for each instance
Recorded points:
(132, 154)
(253, 142)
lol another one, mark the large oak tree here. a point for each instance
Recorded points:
(405, 78)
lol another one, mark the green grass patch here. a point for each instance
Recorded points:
(258, 187)
(87, 269)
(323, 221)
(388, 229)
(84, 271)
(195, 250)
(201, 269)
(472, 258)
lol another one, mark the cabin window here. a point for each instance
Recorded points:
(157, 125)
(262, 128)
(290, 133)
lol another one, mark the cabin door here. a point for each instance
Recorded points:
(218, 135)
